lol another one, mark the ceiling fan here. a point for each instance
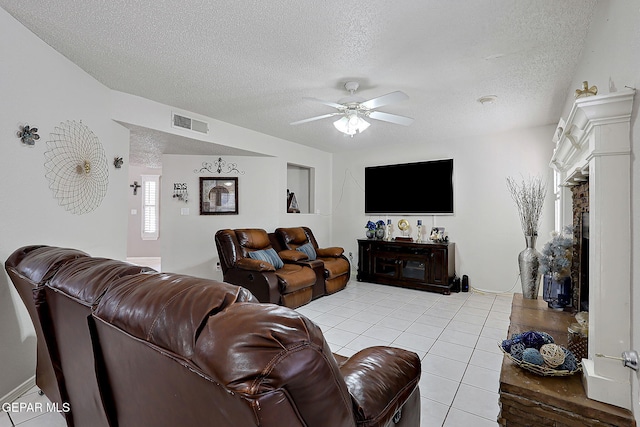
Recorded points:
(355, 109)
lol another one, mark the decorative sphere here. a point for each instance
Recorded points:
(548, 339)
(532, 339)
(570, 363)
(533, 356)
(516, 350)
(506, 345)
(552, 354)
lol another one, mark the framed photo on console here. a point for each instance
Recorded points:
(218, 196)
(437, 234)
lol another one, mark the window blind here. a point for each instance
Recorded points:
(150, 207)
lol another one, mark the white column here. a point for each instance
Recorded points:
(596, 137)
(607, 380)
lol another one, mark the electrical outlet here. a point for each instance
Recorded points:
(218, 266)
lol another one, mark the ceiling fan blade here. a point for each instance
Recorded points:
(311, 119)
(329, 103)
(392, 118)
(387, 99)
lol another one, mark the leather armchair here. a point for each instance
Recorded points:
(288, 284)
(337, 269)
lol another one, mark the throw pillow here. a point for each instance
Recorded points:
(269, 255)
(309, 250)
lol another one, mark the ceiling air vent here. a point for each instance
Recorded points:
(189, 123)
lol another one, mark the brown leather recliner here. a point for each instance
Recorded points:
(30, 268)
(71, 295)
(66, 285)
(337, 269)
(170, 349)
(243, 262)
(147, 328)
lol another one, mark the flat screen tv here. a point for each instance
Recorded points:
(422, 188)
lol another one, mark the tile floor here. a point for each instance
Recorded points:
(454, 335)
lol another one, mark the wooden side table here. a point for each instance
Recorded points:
(527, 399)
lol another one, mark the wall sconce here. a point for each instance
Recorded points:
(117, 162)
(28, 135)
(180, 191)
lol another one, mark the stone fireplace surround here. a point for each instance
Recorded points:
(580, 253)
(594, 144)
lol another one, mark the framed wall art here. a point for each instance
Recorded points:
(218, 196)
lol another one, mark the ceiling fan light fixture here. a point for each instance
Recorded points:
(351, 125)
(353, 108)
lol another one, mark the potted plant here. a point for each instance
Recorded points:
(555, 265)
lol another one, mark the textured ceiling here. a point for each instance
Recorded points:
(250, 63)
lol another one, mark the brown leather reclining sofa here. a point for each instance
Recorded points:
(285, 267)
(337, 269)
(127, 346)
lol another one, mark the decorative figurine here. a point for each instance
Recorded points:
(586, 90)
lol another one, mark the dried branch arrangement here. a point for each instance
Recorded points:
(529, 197)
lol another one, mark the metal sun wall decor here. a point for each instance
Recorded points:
(219, 166)
(76, 167)
(28, 135)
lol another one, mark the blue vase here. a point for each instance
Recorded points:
(556, 292)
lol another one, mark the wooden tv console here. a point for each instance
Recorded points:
(425, 266)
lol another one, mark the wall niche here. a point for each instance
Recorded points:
(301, 188)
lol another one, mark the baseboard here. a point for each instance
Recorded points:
(18, 391)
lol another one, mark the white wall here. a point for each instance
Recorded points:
(136, 247)
(188, 240)
(485, 227)
(611, 61)
(42, 88)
